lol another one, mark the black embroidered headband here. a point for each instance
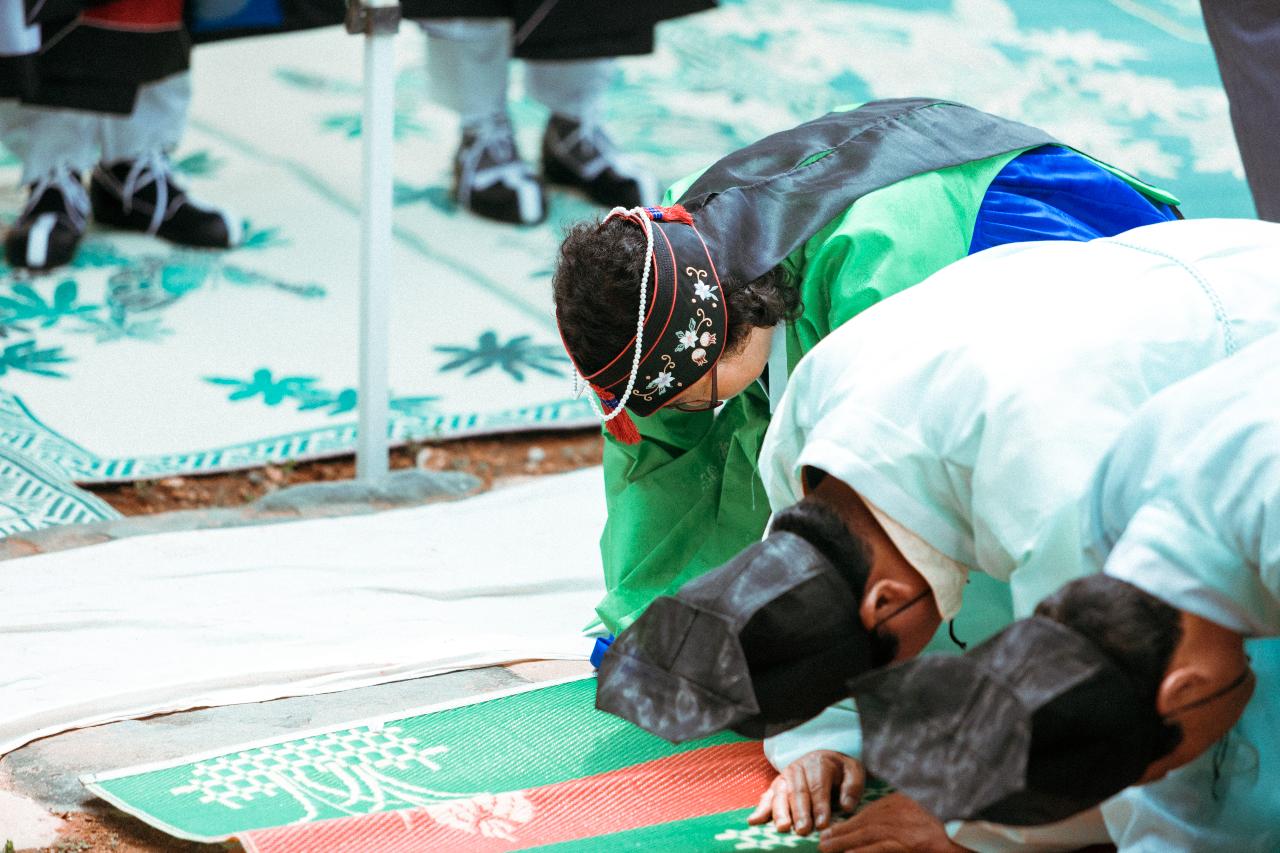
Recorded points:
(680, 324)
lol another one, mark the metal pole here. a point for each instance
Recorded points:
(16, 38)
(378, 21)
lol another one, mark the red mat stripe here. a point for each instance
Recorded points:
(692, 784)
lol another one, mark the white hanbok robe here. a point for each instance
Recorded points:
(1186, 506)
(973, 408)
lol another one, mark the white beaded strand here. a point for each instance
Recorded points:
(580, 383)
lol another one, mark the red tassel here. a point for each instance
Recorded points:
(677, 213)
(674, 213)
(623, 429)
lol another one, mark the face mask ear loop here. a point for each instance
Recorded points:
(579, 384)
(912, 603)
(951, 632)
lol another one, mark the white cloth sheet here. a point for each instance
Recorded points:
(182, 620)
(945, 576)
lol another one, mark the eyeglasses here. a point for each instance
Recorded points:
(703, 405)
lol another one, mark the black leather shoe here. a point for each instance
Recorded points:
(581, 155)
(141, 195)
(491, 180)
(48, 231)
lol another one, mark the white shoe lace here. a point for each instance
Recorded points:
(589, 138)
(493, 137)
(593, 142)
(151, 168)
(64, 181)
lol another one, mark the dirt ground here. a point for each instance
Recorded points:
(504, 456)
(497, 457)
(116, 832)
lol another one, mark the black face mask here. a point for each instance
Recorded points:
(1031, 727)
(759, 645)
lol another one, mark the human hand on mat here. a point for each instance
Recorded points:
(895, 824)
(801, 796)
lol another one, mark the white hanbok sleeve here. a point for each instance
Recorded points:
(1186, 505)
(1079, 831)
(837, 729)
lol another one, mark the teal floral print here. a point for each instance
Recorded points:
(513, 357)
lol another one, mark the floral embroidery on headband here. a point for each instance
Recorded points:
(663, 381)
(700, 287)
(690, 339)
(684, 321)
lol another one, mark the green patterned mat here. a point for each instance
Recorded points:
(545, 738)
(532, 737)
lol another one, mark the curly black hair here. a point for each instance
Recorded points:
(597, 292)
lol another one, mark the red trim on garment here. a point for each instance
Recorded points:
(139, 15)
(653, 293)
(655, 340)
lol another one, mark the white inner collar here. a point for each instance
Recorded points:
(944, 575)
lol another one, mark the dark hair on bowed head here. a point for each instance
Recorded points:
(1138, 631)
(597, 293)
(824, 529)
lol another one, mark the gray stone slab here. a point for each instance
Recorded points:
(399, 488)
(309, 500)
(48, 771)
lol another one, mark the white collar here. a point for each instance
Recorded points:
(944, 575)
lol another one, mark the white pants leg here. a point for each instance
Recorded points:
(571, 88)
(467, 62)
(157, 123)
(47, 139)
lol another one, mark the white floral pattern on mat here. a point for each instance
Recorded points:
(760, 838)
(490, 815)
(348, 771)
